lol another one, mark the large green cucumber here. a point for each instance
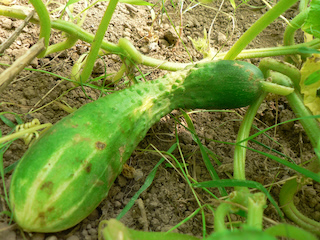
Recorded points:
(68, 171)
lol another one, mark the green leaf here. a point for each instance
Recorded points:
(7, 121)
(308, 50)
(146, 184)
(312, 23)
(290, 231)
(312, 78)
(213, 173)
(137, 2)
(71, 2)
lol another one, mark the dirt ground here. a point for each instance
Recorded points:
(168, 200)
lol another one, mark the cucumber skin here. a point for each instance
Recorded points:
(68, 171)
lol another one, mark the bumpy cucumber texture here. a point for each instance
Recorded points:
(68, 171)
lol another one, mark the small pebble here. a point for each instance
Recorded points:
(94, 215)
(7, 23)
(73, 237)
(38, 236)
(92, 231)
(52, 237)
(221, 38)
(138, 174)
(122, 181)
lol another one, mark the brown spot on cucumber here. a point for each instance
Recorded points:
(50, 209)
(78, 138)
(251, 76)
(98, 183)
(88, 167)
(47, 187)
(42, 215)
(100, 145)
(238, 65)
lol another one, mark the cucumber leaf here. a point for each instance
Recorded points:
(312, 78)
(312, 23)
(308, 50)
(310, 83)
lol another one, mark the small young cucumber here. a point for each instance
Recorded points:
(68, 171)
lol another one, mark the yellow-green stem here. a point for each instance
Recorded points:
(96, 44)
(45, 23)
(243, 133)
(258, 27)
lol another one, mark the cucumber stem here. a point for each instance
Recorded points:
(290, 231)
(258, 26)
(97, 41)
(45, 23)
(287, 193)
(22, 133)
(295, 24)
(256, 204)
(243, 133)
(221, 212)
(68, 43)
(273, 51)
(276, 88)
(287, 69)
(288, 37)
(310, 125)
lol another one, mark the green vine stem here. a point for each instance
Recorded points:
(310, 125)
(290, 231)
(24, 132)
(256, 205)
(288, 37)
(258, 26)
(303, 5)
(45, 23)
(286, 195)
(295, 24)
(68, 43)
(287, 69)
(96, 44)
(243, 133)
(78, 32)
(276, 88)
(221, 212)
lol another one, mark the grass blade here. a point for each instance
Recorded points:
(204, 153)
(146, 184)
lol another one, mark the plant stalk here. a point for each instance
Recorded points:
(45, 23)
(221, 212)
(256, 204)
(258, 27)
(78, 32)
(287, 193)
(243, 133)
(97, 41)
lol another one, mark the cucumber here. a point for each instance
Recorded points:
(68, 171)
